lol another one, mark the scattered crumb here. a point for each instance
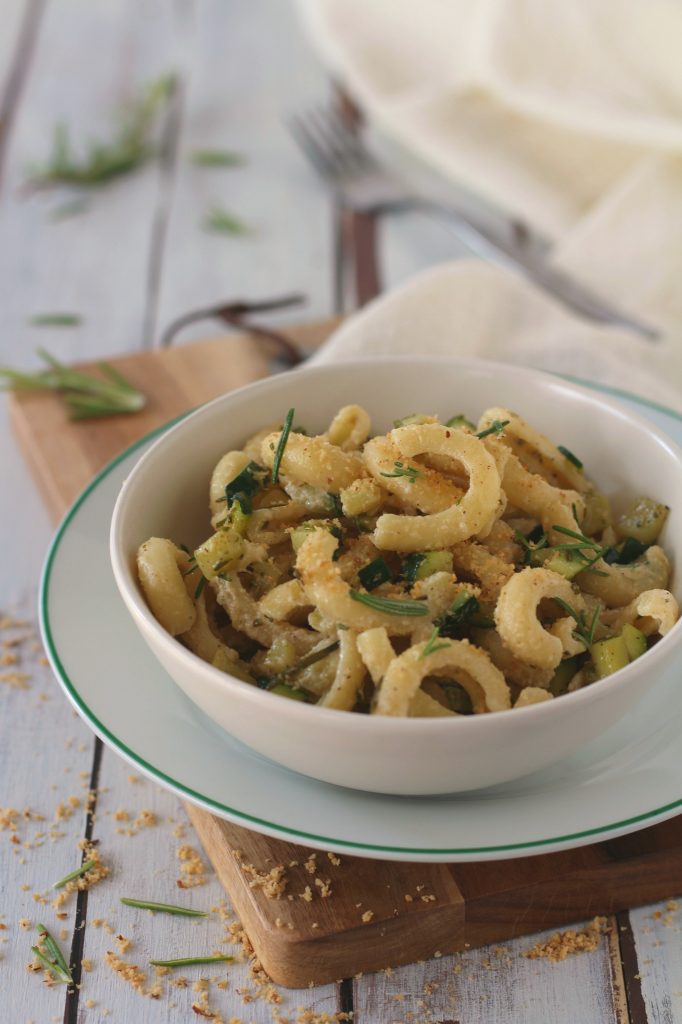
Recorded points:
(123, 943)
(192, 868)
(272, 883)
(336, 861)
(367, 916)
(569, 942)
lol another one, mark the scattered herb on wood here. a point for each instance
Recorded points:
(216, 158)
(163, 908)
(221, 221)
(74, 874)
(86, 397)
(187, 961)
(129, 147)
(52, 957)
(55, 320)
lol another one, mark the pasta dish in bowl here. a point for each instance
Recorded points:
(452, 576)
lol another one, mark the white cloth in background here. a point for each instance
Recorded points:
(567, 114)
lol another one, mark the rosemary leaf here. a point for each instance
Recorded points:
(55, 320)
(216, 158)
(52, 957)
(496, 427)
(187, 961)
(390, 605)
(223, 222)
(411, 472)
(281, 445)
(53, 968)
(431, 644)
(163, 908)
(74, 874)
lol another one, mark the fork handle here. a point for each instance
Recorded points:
(362, 231)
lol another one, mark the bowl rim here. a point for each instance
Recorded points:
(370, 724)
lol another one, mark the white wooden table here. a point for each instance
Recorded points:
(135, 259)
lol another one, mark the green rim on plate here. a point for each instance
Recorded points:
(249, 819)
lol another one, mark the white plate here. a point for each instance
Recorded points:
(630, 778)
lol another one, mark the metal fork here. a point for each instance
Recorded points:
(361, 183)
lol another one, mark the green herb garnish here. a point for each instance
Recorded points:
(74, 874)
(200, 586)
(568, 454)
(187, 961)
(411, 472)
(583, 632)
(247, 482)
(55, 320)
(85, 396)
(390, 605)
(459, 421)
(374, 574)
(496, 427)
(432, 645)
(163, 908)
(223, 222)
(461, 609)
(52, 957)
(129, 147)
(629, 550)
(216, 158)
(281, 445)
(535, 541)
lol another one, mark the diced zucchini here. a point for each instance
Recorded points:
(282, 690)
(460, 421)
(597, 514)
(643, 520)
(634, 640)
(422, 564)
(460, 611)
(374, 574)
(563, 675)
(566, 563)
(609, 655)
(239, 515)
(457, 697)
(217, 554)
(625, 553)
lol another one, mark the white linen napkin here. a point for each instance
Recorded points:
(471, 308)
(567, 114)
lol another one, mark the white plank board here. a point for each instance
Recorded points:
(658, 938)
(248, 68)
(145, 866)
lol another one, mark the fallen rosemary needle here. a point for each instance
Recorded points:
(55, 320)
(163, 908)
(216, 158)
(52, 957)
(86, 397)
(223, 222)
(83, 869)
(189, 960)
(129, 147)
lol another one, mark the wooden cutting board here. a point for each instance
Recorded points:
(378, 913)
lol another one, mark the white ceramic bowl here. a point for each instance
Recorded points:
(166, 496)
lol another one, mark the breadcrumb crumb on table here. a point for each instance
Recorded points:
(570, 942)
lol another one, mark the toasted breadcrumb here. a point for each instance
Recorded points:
(367, 916)
(192, 868)
(569, 942)
(272, 883)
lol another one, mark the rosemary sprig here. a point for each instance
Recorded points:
(281, 445)
(216, 158)
(128, 148)
(86, 397)
(187, 961)
(163, 908)
(496, 427)
(411, 472)
(55, 320)
(432, 645)
(568, 454)
(83, 869)
(200, 587)
(52, 957)
(223, 222)
(390, 605)
(584, 631)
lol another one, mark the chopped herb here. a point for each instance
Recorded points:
(411, 472)
(187, 961)
(374, 574)
(281, 445)
(163, 908)
(584, 632)
(85, 396)
(52, 957)
(200, 587)
(216, 158)
(629, 550)
(585, 542)
(129, 147)
(410, 566)
(390, 605)
(568, 454)
(461, 609)
(247, 483)
(223, 222)
(55, 320)
(496, 427)
(459, 421)
(74, 874)
(535, 541)
(431, 644)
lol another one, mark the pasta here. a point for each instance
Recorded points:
(441, 569)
